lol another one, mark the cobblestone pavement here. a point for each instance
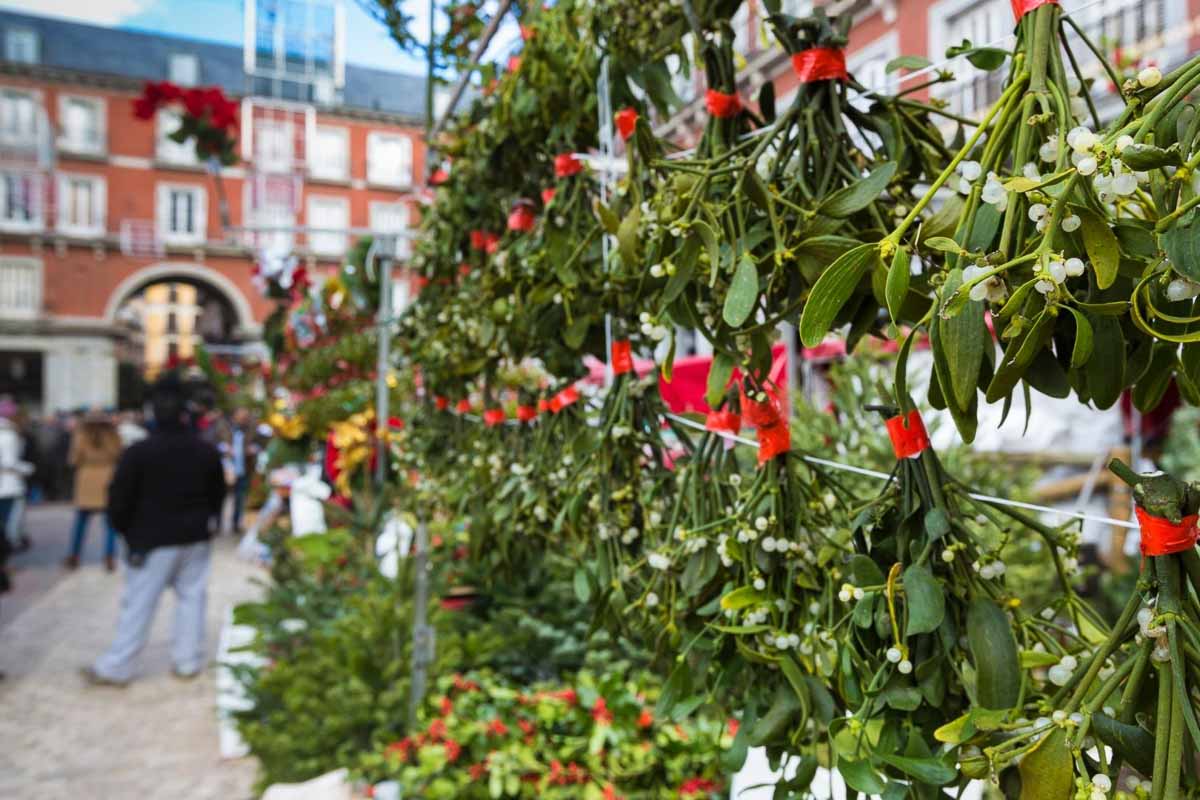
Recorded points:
(66, 741)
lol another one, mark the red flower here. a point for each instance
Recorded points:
(401, 749)
(446, 707)
(626, 122)
(566, 165)
(453, 750)
(522, 219)
(732, 726)
(437, 729)
(514, 63)
(526, 33)
(477, 771)
(497, 728)
(526, 726)
(491, 244)
(548, 195)
(439, 177)
(600, 712)
(697, 786)
(155, 95)
(610, 793)
(645, 719)
(395, 423)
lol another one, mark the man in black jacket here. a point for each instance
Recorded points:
(164, 494)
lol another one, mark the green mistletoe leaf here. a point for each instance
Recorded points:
(906, 62)
(1181, 242)
(926, 770)
(1103, 249)
(743, 293)
(859, 195)
(833, 289)
(860, 776)
(1106, 368)
(718, 378)
(994, 654)
(1047, 771)
(896, 288)
(925, 600)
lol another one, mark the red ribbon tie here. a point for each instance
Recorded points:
(907, 432)
(723, 422)
(820, 64)
(622, 357)
(774, 437)
(1022, 7)
(722, 105)
(1161, 537)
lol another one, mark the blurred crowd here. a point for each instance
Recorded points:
(70, 457)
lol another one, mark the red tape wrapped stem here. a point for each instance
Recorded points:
(1161, 537)
(820, 64)
(622, 357)
(563, 399)
(463, 407)
(526, 413)
(908, 435)
(723, 422)
(722, 105)
(1022, 7)
(774, 437)
(493, 417)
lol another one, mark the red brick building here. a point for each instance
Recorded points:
(113, 249)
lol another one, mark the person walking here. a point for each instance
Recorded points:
(13, 472)
(243, 452)
(166, 491)
(94, 453)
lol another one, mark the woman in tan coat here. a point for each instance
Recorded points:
(95, 448)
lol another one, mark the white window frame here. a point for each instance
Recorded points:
(270, 132)
(38, 222)
(878, 51)
(318, 166)
(327, 243)
(176, 62)
(22, 287)
(376, 175)
(168, 151)
(97, 225)
(18, 138)
(376, 209)
(100, 108)
(34, 42)
(163, 212)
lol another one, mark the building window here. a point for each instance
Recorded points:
(182, 214)
(20, 287)
(183, 69)
(19, 118)
(868, 65)
(389, 159)
(952, 21)
(81, 122)
(330, 216)
(21, 201)
(274, 145)
(167, 150)
(330, 156)
(391, 218)
(21, 46)
(81, 204)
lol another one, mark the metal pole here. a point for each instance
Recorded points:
(604, 109)
(459, 87)
(422, 655)
(382, 364)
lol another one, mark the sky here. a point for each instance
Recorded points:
(367, 41)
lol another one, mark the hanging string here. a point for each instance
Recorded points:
(883, 476)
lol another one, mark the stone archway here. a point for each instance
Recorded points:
(247, 328)
(167, 311)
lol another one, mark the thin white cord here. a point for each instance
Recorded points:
(883, 476)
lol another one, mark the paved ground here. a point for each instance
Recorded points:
(157, 738)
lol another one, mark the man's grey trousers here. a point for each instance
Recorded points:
(185, 569)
